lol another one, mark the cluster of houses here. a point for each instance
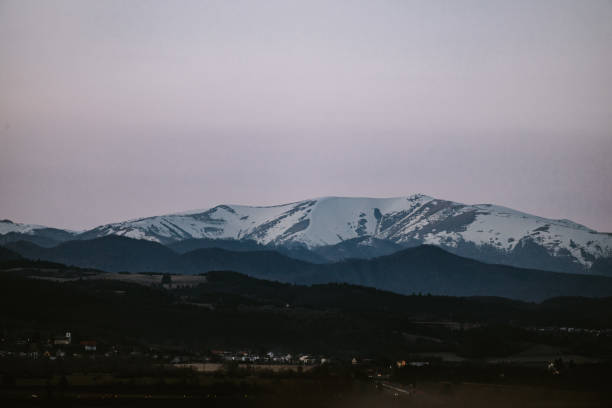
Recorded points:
(64, 345)
(53, 348)
(268, 358)
(66, 340)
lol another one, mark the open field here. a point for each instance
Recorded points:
(295, 392)
(446, 394)
(215, 367)
(152, 279)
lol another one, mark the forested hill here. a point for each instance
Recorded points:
(231, 310)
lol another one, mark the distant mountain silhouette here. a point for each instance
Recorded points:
(112, 254)
(358, 248)
(296, 251)
(429, 269)
(425, 269)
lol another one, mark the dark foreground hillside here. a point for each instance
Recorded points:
(424, 269)
(364, 347)
(231, 310)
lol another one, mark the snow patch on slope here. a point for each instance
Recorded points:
(7, 226)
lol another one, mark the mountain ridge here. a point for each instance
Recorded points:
(485, 232)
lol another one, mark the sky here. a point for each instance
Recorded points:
(111, 110)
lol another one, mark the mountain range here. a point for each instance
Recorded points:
(335, 228)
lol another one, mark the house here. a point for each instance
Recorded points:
(89, 345)
(306, 359)
(63, 340)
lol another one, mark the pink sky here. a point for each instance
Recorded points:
(112, 110)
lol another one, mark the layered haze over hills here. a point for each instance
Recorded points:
(422, 269)
(335, 228)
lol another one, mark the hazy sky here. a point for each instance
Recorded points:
(111, 110)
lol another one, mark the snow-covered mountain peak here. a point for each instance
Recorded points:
(469, 230)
